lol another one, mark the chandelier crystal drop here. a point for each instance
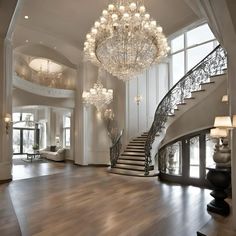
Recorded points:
(98, 96)
(125, 40)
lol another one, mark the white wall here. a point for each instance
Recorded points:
(152, 85)
(91, 139)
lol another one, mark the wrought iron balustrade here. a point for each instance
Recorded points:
(115, 150)
(213, 64)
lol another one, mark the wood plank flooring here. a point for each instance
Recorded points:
(88, 201)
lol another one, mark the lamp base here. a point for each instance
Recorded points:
(219, 178)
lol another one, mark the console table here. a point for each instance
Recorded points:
(220, 179)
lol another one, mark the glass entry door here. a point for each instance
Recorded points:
(28, 140)
(16, 141)
(24, 139)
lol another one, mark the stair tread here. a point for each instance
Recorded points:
(129, 162)
(137, 147)
(135, 150)
(198, 91)
(129, 167)
(136, 158)
(210, 82)
(133, 154)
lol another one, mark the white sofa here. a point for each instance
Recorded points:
(58, 155)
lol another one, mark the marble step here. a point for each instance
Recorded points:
(132, 158)
(133, 154)
(129, 162)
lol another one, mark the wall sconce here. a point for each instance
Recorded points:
(138, 99)
(225, 98)
(7, 120)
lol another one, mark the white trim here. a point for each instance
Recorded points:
(41, 90)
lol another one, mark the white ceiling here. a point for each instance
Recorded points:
(63, 24)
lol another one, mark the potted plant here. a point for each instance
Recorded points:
(35, 147)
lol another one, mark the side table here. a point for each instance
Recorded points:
(220, 179)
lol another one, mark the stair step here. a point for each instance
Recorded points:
(135, 150)
(129, 162)
(205, 83)
(133, 154)
(135, 147)
(137, 144)
(140, 139)
(129, 167)
(191, 98)
(199, 91)
(132, 158)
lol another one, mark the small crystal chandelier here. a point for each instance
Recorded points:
(98, 95)
(125, 41)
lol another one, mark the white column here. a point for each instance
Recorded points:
(5, 108)
(79, 121)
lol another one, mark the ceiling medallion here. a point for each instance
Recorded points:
(98, 95)
(125, 41)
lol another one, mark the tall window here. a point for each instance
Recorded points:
(188, 49)
(66, 128)
(25, 133)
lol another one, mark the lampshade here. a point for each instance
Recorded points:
(223, 122)
(218, 133)
(225, 98)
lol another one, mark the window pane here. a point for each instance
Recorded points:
(67, 138)
(67, 121)
(196, 54)
(28, 141)
(210, 145)
(16, 140)
(177, 43)
(177, 67)
(27, 116)
(194, 171)
(15, 117)
(199, 35)
(174, 160)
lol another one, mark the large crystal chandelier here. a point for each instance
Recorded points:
(48, 72)
(125, 41)
(98, 95)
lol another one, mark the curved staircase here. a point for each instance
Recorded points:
(132, 159)
(201, 81)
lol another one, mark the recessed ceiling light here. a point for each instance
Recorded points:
(26, 17)
(26, 40)
(55, 47)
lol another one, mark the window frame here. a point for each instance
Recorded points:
(65, 129)
(186, 48)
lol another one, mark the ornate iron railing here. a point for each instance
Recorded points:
(115, 150)
(213, 64)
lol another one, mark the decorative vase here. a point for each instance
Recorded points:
(222, 154)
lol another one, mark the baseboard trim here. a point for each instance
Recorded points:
(93, 165)
(5, 181)
(99, 165)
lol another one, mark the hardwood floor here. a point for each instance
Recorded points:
(88, 201)
(26, 170)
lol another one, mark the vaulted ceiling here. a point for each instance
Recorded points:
(63, 25)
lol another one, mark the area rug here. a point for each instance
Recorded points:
(24, 161)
